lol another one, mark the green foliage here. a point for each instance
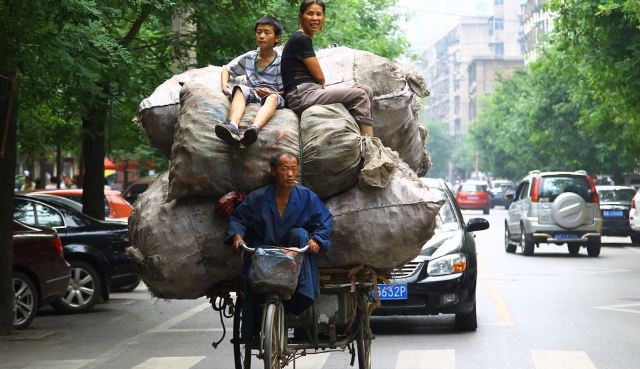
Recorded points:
(440, 147)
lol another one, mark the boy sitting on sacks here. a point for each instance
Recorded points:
(264, 84)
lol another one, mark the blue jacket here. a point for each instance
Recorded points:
(258, 221)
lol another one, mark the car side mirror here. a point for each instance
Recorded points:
(477, 224)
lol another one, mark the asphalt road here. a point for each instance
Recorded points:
(549, 311)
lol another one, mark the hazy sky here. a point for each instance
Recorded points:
(431, 19)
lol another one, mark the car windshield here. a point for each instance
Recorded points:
(552, 186)
(617, 195)
(446, 219)
(470, 187)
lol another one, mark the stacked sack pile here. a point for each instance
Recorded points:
(383, 214)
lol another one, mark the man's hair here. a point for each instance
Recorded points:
(267, 19)
(306, 3)
(273, 162)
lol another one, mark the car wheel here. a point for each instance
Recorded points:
(635, 239)
(25, 300)
(593, 248)
(526, 245)
(509, 246)
(574, 249)
(84, 289)
(467, 321)
(129, 287)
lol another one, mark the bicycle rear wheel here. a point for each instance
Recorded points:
(273, 336)
(241, 351)
(363, 342)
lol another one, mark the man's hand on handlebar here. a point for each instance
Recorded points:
(313, 246)
(237, 242)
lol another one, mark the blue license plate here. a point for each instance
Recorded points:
(397, 291)
(613, 213)
(566, 236)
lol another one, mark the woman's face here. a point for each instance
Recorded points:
(312, 19)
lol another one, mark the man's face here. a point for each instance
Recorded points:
(266, 36)
(286, 172)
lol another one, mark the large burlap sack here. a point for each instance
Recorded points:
(203, 164)
(179, 244)
(331, 149)
(396, 95)
(158, 113)
(379, 164)
(383, 228)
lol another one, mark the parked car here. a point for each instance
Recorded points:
(132, 192)
(474, 195)
(634, 218)
(615, 205)
(94, 249)
(40, 273)
(442, 279)
(499, 188)
(115, 206)
(556, 208)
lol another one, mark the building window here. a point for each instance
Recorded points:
(456, 105)
(497, 48)
(497, 2)
(457, 126)
(498, 24)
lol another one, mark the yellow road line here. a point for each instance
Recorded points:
(503, 314)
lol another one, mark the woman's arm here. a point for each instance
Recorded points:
(313, 66)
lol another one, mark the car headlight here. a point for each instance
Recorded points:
(448, 264)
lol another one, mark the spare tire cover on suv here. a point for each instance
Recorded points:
(568, 210)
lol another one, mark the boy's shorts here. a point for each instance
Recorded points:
(251, 97)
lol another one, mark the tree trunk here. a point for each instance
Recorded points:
(93, 156)
(8, 131)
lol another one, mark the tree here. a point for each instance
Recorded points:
(440, 146)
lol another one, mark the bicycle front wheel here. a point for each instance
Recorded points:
(273, 336)
(363, 342)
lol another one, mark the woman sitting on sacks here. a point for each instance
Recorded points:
(303, 78)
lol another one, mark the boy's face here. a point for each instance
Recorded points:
(266, 37)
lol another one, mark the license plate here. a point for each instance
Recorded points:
(613, 213)
(566, 236)
(472, 197)
(393, 291)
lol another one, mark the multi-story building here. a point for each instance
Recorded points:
(537, 22)
(466, 62)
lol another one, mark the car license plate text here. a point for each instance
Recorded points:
(566, 236)
(393, 291)
(613, 213)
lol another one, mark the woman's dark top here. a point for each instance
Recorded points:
(294, 72)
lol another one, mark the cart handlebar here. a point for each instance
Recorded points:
(253, 249)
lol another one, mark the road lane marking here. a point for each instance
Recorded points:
(312, 361)
(622, 307)
(58, 364)
(181, 362)
(166, 326)
(561, 360)
(426, 359)
(503, 315)
(634, 249)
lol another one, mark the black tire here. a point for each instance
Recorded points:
(486, 211)
(593, 248)
(25, 300)
(467, 322)
(635, 239)
(130, 287)
(272, 338)
(526, 244)
(509, 246)
(363, 344)
(241, 351)
(84, 289)
(573, 249)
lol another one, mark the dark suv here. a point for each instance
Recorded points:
(94, 249)
(554, 207)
